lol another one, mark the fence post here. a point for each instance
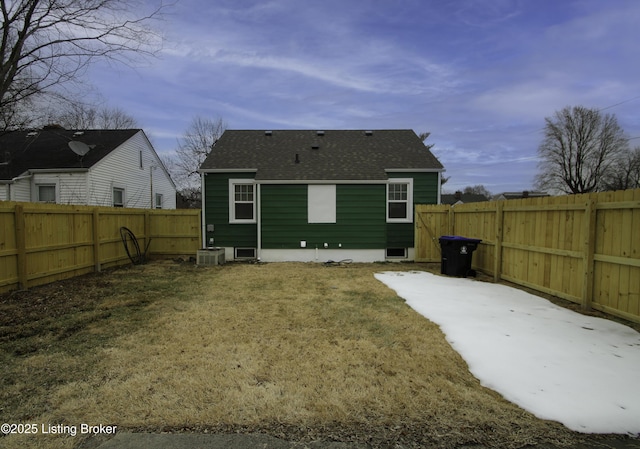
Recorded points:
(21, 244)
(147, 230)
(497, 256)
(588, 253)
(96, 240)
(452, 219)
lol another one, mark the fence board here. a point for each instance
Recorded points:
(41, 243)
(584, 248)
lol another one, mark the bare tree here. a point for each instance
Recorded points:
(477, 190)
(193, 148)
(625, 173)
(78, 116)
(46, 44)
(579, 150)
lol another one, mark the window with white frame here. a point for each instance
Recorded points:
(400, 201)
(46, 193)
(158, 200)
(242, 205)
(118, 197)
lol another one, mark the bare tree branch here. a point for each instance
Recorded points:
(48, 43)
(579, 150)
(193, 148)
(79, 116)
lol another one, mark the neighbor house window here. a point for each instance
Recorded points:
(118, 197)
(400, 201)
(47, 193)
(158, 200)
(242, 205)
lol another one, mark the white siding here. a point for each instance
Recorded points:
(4, 192)
(20, 190)
(122, 168)
(71, 188)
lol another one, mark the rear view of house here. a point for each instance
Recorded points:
(118, 168)
(306, 195)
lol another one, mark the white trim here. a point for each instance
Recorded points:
(57, 170)
(257, 199)
(124, 194)
(322, 181)
(227, 170)
(53, 182)
(409, 217)
(414, 170)
(232, 201)
(204, 211)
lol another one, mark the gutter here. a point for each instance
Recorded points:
(258, 220)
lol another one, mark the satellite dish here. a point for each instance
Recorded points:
(80, 148)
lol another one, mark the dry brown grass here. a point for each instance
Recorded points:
(300, 351)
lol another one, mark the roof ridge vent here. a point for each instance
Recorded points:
(320, 133)
(268, 133)
(368, 133)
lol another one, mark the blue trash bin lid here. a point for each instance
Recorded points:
(458, 238)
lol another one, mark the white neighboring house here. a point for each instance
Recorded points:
(120, 169)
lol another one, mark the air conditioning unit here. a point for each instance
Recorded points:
(213, 256)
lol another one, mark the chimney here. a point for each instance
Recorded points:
(525, 194)
(458, 195)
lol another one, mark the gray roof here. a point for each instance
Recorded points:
(320, 155)
(21, 151)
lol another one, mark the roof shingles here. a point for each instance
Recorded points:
(305, 155)
(21, 151)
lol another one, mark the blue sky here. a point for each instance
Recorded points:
(480, 75)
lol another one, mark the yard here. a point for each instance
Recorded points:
(303, 352)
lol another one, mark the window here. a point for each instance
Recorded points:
(245, 253)
(399, 201)
(158, 200)
(242, 206)
(396, 253)
(118, 197)
(47, 193)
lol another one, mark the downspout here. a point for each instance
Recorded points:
(258, 223)
(439, 187)
(203, 210)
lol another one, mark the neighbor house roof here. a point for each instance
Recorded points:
(519, 195)
(21, 151)
(454, 198)
(320, 155)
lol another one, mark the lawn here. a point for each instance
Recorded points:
(299, 351)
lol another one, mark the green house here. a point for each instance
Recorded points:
(307, 195)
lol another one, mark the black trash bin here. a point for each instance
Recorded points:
(456, 255)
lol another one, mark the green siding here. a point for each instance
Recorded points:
(360, 218)
(217, 213)
(360, 215)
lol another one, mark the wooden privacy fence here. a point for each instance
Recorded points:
(583, 248)
(41, 243)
